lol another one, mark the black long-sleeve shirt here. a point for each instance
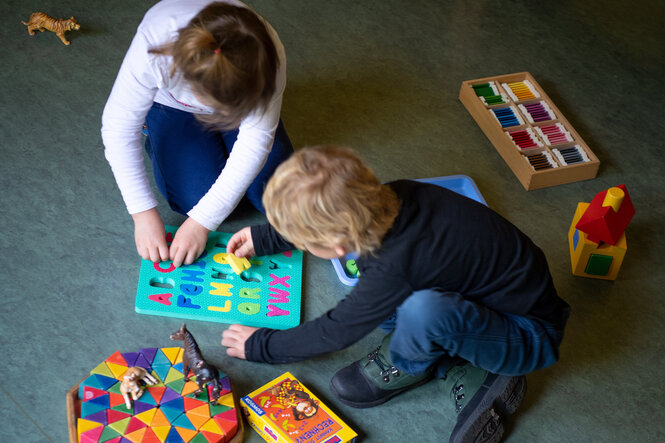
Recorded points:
(439, 239)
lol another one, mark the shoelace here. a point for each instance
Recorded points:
(457, 395)
(386, 369)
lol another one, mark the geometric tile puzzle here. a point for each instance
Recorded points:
(166, 412)
(267, 294)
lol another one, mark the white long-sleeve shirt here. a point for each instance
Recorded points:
(146, 78)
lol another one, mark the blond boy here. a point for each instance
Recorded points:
(465, 297)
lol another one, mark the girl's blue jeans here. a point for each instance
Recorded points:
(187, 158)
(434, 329)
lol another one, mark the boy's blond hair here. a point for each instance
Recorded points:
(326, 196)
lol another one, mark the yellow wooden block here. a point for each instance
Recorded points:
(178, 359)
(161, 432)
(227, 400)
(147, 416)
(172, 354)
(84, 425)
(117, 370)
(584, 253)
(212, 426)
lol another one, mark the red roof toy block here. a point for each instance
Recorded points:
(608, 215)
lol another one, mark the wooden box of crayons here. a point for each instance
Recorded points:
(531, 134)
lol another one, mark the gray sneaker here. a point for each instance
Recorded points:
(481, 400)
(373, 380)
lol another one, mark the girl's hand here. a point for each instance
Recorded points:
(234, 339)
(189, 242)
(241, 244)
(150, 236)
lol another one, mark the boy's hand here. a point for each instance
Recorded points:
(150, 236)
(189, 242)
(234, 339)
(241, 243)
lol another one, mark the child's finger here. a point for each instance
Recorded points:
(228, 335)
(234, 347)
(177, 255)
(163, 252)
(233, 352)
(154, 254)
(230, 247)
(143, 252)
(233, 243)
(242, 251)
(191, 256)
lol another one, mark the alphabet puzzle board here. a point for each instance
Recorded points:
(268, 294)
(528, 130)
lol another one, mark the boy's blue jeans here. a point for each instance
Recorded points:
(187, 158)
(437, 329)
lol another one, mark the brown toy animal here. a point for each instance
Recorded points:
(40, 22)
(193, 359)
(130, 383)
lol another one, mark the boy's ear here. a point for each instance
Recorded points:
(340, 250)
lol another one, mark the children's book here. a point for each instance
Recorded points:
(219, 287)
(285, 411)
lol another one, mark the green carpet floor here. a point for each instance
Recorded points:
(382, 77)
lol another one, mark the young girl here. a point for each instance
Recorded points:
(207, 79)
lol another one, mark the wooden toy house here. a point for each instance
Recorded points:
(597, 237)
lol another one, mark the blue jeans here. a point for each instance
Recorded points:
(187, 158)
(439, 329)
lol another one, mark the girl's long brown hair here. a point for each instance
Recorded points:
(230, 61)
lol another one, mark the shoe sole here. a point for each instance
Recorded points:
(485, 423)
(382, 400)
(512, 396)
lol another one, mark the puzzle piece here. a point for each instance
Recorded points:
(238, 264)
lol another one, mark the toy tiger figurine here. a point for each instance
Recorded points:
(40, 21)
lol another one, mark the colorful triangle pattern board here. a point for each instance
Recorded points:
(160, 413)
(265, 294)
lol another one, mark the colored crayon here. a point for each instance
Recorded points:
(554, 134)
(571, 155)
(522, 90)
(507, 117)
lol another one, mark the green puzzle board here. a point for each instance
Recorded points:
(268, 294)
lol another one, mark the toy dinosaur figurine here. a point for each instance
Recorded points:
(130, 383)
(193, 359)
(39, 21)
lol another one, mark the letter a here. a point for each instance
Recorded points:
(161, 298)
